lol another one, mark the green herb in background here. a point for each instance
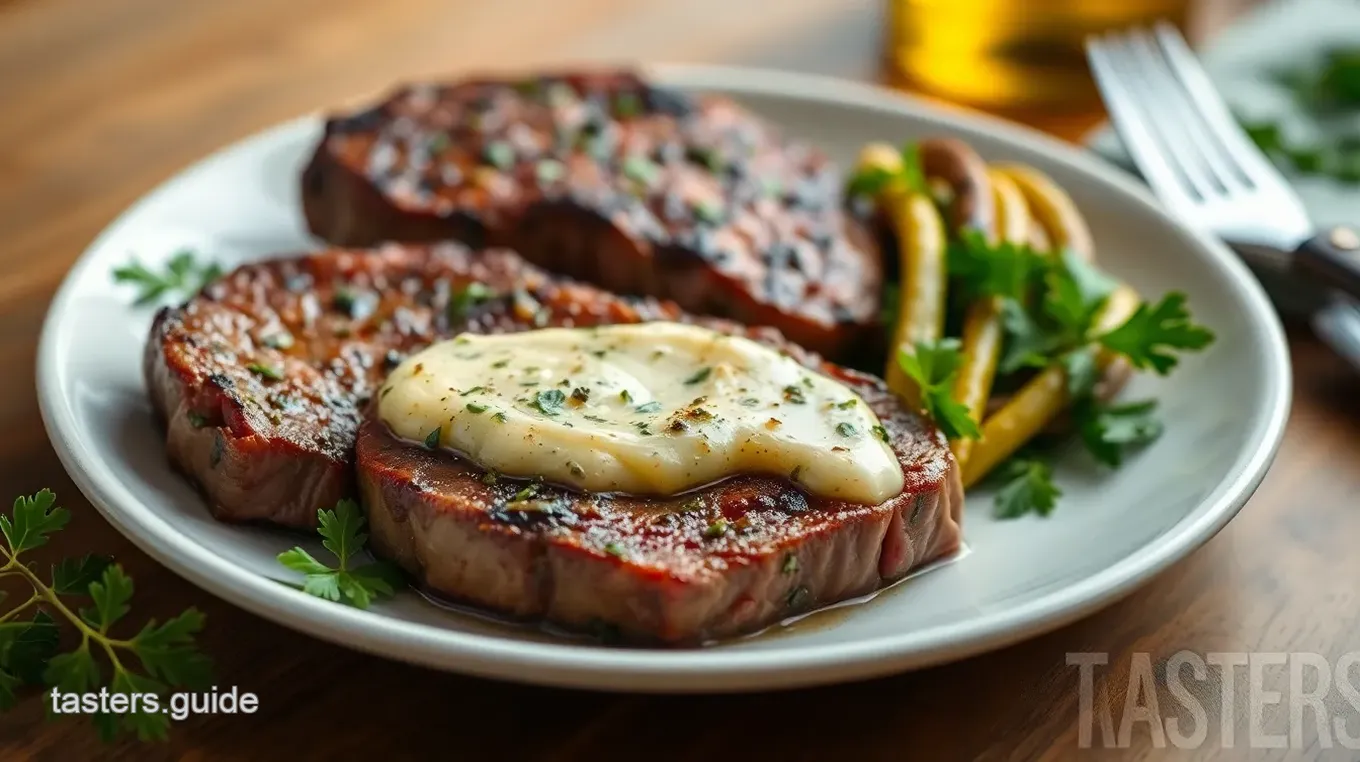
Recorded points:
(182, 276)
(1325, 91)
(344, 536)
(29, 633)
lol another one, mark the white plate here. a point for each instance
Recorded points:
(1112, 532)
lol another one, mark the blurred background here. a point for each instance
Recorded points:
(1017, 56)
(104, 99)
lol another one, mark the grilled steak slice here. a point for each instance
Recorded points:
(614, 181)
(262, 377)
(722, 560)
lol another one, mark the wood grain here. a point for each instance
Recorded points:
(104, 99)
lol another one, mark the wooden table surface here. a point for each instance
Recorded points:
(102, 99)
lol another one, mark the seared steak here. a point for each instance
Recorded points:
(721, 560)
(611, 180)
(262, 377)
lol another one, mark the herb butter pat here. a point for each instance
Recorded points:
(601, 410)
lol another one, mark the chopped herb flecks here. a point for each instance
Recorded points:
(550, 401)
(699, 376)
(265, 371)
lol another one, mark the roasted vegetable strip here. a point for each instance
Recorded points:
(1041, 399)
(1012, 213)
(959, 166)
(896, 179)
(1050, 205)
(920, 317)
(971, 208)
(982, 331)
(982, 336)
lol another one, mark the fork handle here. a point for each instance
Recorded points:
(1332, 257)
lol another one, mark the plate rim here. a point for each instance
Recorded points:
(699, 670)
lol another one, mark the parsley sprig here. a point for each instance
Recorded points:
(933, 366)
(1026, 486)
(1064, 321)
(343, 535)
(1050, 310)
(183, 276)
(156, 658)
(1150, 335)
(1110, 430)
(980, 269)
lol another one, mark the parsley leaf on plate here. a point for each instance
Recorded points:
(981, 269)
(1075, 292)
(933, 366)
(1109, 431)
(1147, 337)
(183, 275)
(1082, 372)
(1027, 486)
(1028, 344)
(342, 530)
(1070, 295)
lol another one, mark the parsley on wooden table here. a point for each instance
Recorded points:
(93, 596)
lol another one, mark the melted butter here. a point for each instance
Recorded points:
(653, 408)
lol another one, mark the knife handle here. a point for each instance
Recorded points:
(1332, 257)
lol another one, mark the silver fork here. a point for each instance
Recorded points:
(1203, 167)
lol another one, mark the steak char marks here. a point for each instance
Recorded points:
(262, 377)
(613, 181)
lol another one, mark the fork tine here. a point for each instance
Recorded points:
(1186, 133)
(1211, 107)
(1131, 123)
(1167, 117)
